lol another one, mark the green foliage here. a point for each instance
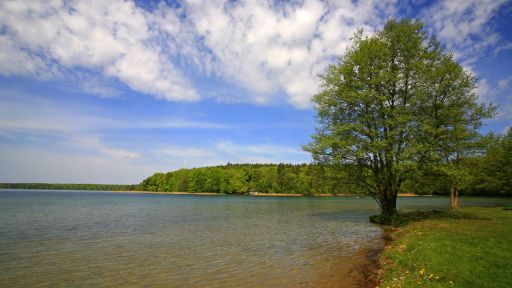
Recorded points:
(491, 173)
(244, 178)
(395, 104)
(55, 186)
(471, 248)
(486, 174)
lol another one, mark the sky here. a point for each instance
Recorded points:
(114, 91)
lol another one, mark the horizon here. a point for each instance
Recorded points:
(112, 92)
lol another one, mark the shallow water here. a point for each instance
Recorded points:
(99, 239)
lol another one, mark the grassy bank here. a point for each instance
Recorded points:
(469, 247)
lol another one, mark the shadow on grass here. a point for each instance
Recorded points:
(402, 219)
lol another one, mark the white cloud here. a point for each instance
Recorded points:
(485, 92)
(492, 92)
(22, 112)
(504, 83)
(111, 37)
(93, 143)
(94, 87)
(502, 47)
(15, 61)
(464, 26)
(269, 48)
(263, 46)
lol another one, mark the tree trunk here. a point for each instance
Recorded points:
(388, 203)
(454, 197)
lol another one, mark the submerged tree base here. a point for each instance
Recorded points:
(385, 219)
(402, 219)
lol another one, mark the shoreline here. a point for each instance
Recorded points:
(259, 194)
(168, 193)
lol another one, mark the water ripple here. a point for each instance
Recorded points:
(50, 239)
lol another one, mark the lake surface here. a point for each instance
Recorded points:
(100, 239)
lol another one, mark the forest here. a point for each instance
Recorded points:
(244, 178)
(70, 186)
(487, 174)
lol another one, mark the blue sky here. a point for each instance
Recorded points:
(113, 91)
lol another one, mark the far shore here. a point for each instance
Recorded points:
(259, 194)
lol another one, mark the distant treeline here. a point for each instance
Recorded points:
(56, 186)
(488, 174)
(244, 178)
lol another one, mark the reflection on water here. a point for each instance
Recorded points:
(90, 239)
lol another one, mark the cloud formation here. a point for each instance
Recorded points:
(115, 38)
(269, 48)
(464, 26)
(27, 112)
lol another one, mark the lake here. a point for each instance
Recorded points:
(100, 239)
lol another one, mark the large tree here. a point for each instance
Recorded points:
(394, 102)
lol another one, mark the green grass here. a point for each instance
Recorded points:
(468, 247)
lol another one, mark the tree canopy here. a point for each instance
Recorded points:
(243, 178)
(395, 103)
(491, 173)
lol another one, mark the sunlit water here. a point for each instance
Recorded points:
(100, 239)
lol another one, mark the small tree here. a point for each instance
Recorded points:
(395, 101)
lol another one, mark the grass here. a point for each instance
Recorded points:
(467, 247)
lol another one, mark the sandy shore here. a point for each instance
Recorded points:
(411, 195)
